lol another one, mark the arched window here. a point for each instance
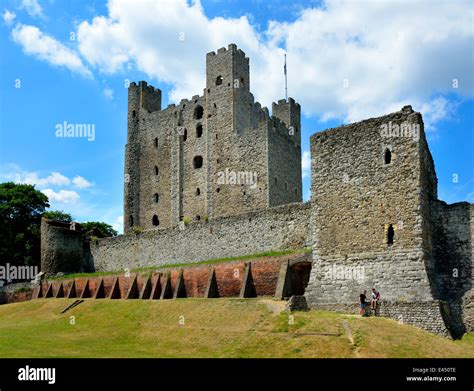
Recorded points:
(390, 235)
(134, 113)
(155, 221)
(155, 141)
(197, 161)
(199, 131)
(219, 80)
(157, 197)
(157, 171)
(198, 112)
(387, 156)
(198, 191)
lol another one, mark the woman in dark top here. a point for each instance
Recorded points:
(363, 303)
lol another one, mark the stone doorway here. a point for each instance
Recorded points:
(299, 274)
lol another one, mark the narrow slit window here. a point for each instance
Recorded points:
(390, 235)
(155, 221)
(387, 156)
(199, 131)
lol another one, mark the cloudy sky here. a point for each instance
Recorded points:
(70, 61)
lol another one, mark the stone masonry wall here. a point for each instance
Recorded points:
(356, 197)
(277, 228)
(452, 249)
(426, 315)
(62, 249)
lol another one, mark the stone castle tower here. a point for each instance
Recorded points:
(218, 154)
(377, 222)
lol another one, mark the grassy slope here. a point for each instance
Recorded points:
(213, 328)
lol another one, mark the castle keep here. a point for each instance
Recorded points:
(217, 176)
(219, 154)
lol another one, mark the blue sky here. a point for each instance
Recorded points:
(347, 60)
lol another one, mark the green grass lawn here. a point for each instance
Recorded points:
(207, 328)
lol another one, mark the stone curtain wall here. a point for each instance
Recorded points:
(273, 229)
(452, 249)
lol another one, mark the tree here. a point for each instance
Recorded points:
(21, 207)
(58, 215)
(98, 229)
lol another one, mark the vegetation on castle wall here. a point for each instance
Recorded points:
(58, 215)
(98, 229)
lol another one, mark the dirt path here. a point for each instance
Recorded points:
(274, 306)
(349, 336)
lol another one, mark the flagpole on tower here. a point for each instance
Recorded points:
(286, 80)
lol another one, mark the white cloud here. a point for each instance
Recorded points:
(62, 196)
(36, 43)
(108, 93)
(435, 110)
(390, 54)
(32, 178)
(306, 164)
(81, 182)
(118, 224)
(12, 172)
(33, 7)
(8, 17)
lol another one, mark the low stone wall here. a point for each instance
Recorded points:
(297, 303)
(424, 314)
(15, 293)
(279, 228)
